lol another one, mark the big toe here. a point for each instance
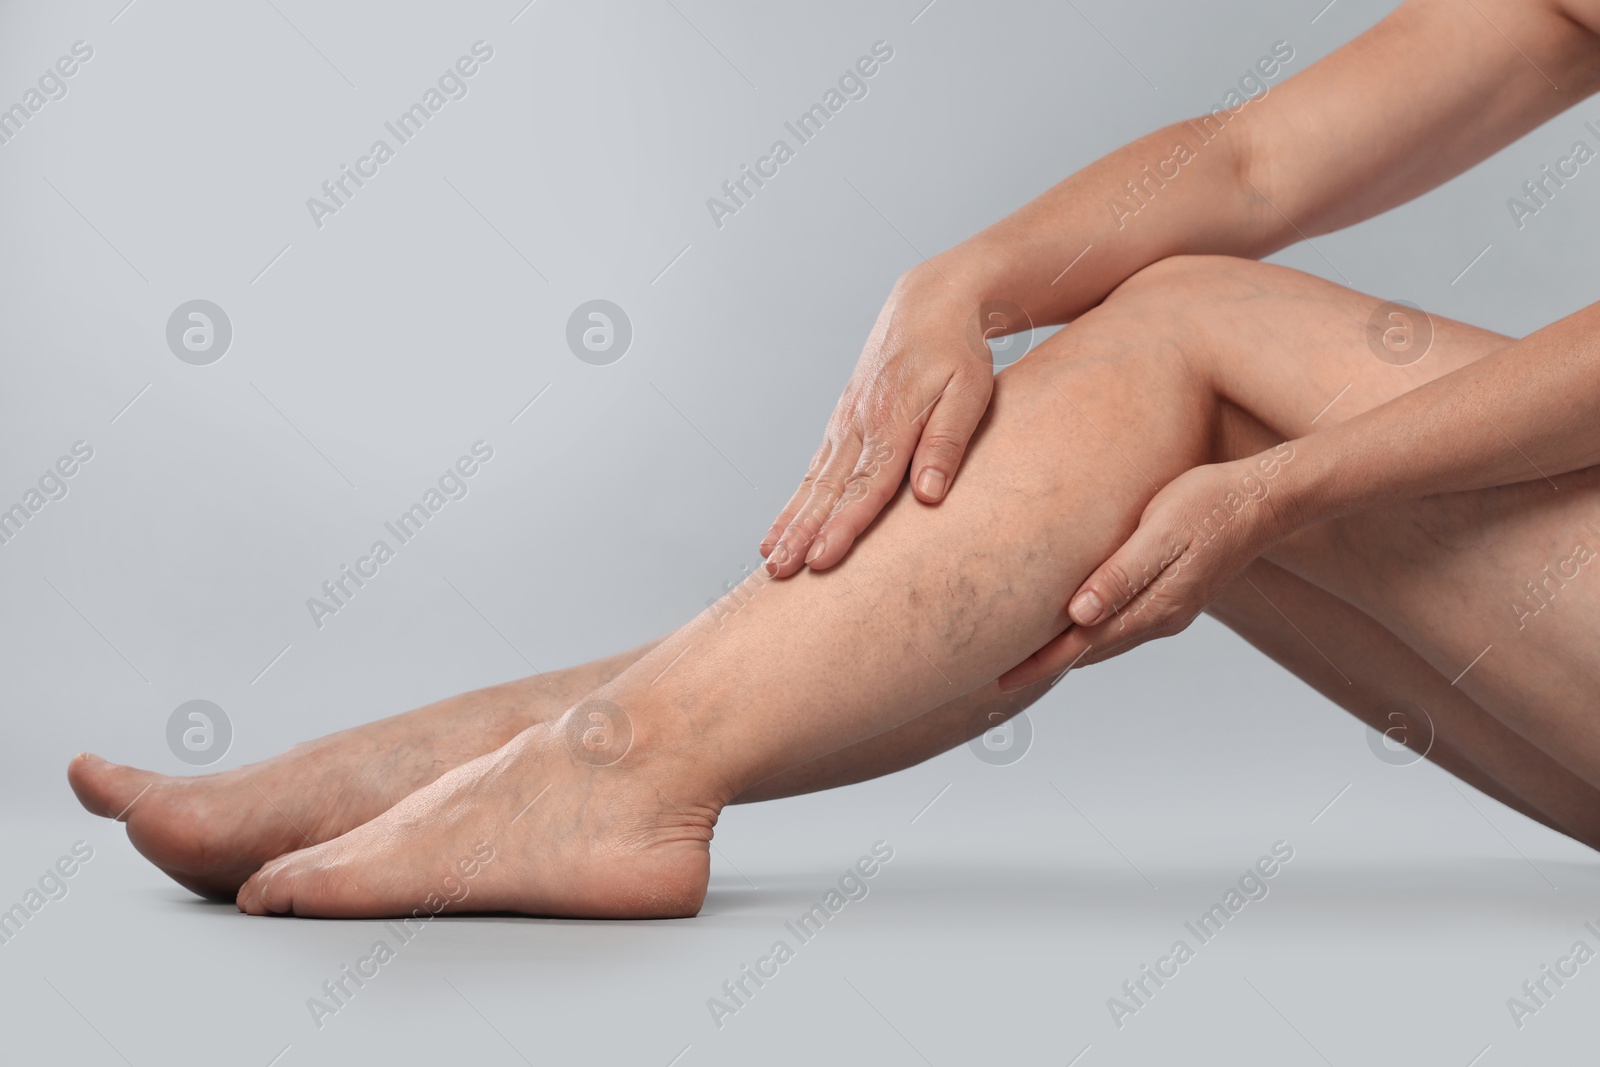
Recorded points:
(307, 883)
(107, 789)
(256, 895)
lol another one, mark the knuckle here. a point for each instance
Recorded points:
(881, 410)
(943, 442)
(875, 456)
(826, 484)
(1114, 577)
(1168, 624)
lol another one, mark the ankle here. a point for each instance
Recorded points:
(647, 748)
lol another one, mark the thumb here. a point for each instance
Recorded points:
(944, 438)
(1117, 581)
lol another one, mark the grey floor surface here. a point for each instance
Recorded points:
(1018, 901)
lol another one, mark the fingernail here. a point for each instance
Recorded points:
(1086, 609)
(780, 556)
(818, 547)
(765, 548)
(931, 484)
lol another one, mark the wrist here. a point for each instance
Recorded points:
(961, 277)
(1287, 495)
(1300, 488)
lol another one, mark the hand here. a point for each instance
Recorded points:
(1194, 537)
(918, 391)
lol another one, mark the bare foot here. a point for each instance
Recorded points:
(211, 832)
(534, 827)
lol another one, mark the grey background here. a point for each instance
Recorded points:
(369, 354)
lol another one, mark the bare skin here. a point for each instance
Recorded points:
(848, 668)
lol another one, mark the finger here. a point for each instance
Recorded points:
(1143, 558)
(789, 554)
(871, 485)
(796, 502)
(1081, 646)
(944, 437)
(1061, 654)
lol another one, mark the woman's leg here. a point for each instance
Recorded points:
(608, 812)
(933, 602)
(1559, 799)
(616, 802)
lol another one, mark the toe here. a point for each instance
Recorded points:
(107, 789)
(308, 883)
(256, 896)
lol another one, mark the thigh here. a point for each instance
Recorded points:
(1345, 655)
(1498, 589)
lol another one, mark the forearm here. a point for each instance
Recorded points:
(1524, 413)
(1062, 253)
(1326, 148)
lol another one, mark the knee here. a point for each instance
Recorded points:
(1187, 281)
(1188, 311)
(1172, 315)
